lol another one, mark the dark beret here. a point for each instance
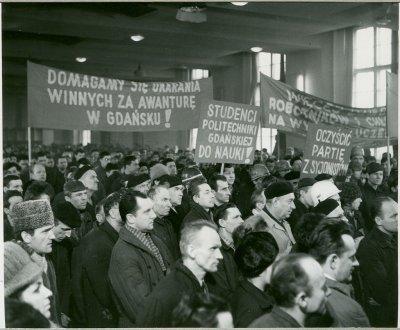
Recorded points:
(135, 180)
(374, 167)
(292, 175)
(67, 214)
(305, 182)
(323, 176)
(278, 189)
(326, 206)
(172, 180)
(81, 171)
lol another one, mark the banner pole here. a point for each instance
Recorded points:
(222, 168)
(29, 145)
(261, 141)
(388, 154)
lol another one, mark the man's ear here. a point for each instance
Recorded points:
(301, 300)
(26, 237)
(191, 251)
(378, 221)
(221, 223)
(195, 198)
(332, 261)
(67, 198)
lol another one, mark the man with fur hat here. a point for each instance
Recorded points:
(33, 224)
(371, 190)
(279, 205)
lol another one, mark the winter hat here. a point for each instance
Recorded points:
(190, 173)
(322, 190)
(135, 180)
(67, 214)
(158, 170)
(278, 189)
(81, 171)
(282, 165)
(31, 215)
(326, 206)
(305, 182)
(258, 171)
(374, 167)
(19, 269)
(350, 192)
(292, 175)
(323, 176)
(73, 186)
(172, 180)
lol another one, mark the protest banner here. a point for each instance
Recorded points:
(227, 133)
(290, 110)
(61, 99)
(392, 104)
(327, 150)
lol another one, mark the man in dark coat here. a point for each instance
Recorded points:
(298, 287)
(372, 189)
(139, 260)
(162, 227)
(94, 307)
(200, 247)
(254, 257)
(223, 282)
(201, 201)
(377, 255)
(59, 174)
(303, 201)
(104, 159)
(130, 166)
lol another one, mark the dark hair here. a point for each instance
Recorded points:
(80, 150)
(226, 165)
(84, 161)
(165, 161)
(7, 195)
(221, 211)
(104, 154)
(111, 167)
(22, 157)
(256, 195)
(111, 201)
(212, 181)
(8, 178)
(9, 165)
(129, 204)
(194, 186)
(199, 310)
(40, 154)
(255, 253)
(326, 239)
(254, 223)
(376, 207)
(288, 279)
(37, 188)
(127, 160)
(303, 229)
(19, 314)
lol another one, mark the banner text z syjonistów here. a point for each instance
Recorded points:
(61, 99)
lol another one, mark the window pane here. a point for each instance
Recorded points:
(364, 90)
(264, 58)
(276, 58)
(300, 82)
(205, 73)
(276, 71)
(364, 38)
(381, 88)
(383, 36)
(257, 96)
(384, 54)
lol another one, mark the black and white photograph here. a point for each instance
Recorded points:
(199, 164)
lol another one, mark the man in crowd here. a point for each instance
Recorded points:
(11, 168)
(279, 205)
(33, 223)
(303, 201)
(139, 260)
(224, 281)
(10, 198)
(140, 183)
(202, 200)
(94, 307)
(220, 187)
(162, 227)
(322, 190)
(254, 257)
(299, 289)
(371, 190)
(12, 182)
(333, 247)
(37, 172)
(377, 254)
(39, 190)
(104, 159)
(59, 173)
(130, 167)
(170, 163)
(200, 247)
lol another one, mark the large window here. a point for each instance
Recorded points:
(195, 75)
(372, 58)
(270, 65)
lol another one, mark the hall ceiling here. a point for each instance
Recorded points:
(56, 33)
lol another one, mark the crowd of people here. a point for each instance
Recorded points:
(121, 238)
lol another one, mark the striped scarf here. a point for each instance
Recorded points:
(148, 242)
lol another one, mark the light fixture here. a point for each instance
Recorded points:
(192, 14)
(239, 3)
(137, 37)
(256, 49)
(81, 59)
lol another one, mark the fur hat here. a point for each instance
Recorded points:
(326, 206)
(31, 215)
(322, 190)
(19, 269)
(158, 170)
(374, 167)
(67, 214)
(278, 189)
(135, 180)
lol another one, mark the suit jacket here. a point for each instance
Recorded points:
(249, 303)
(164, 231)
(197, 213)
(347, 311)
(134, 272)
(276, 319)
(282, 234)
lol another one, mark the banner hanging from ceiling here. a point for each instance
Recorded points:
(290, 110)
(60, 99)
